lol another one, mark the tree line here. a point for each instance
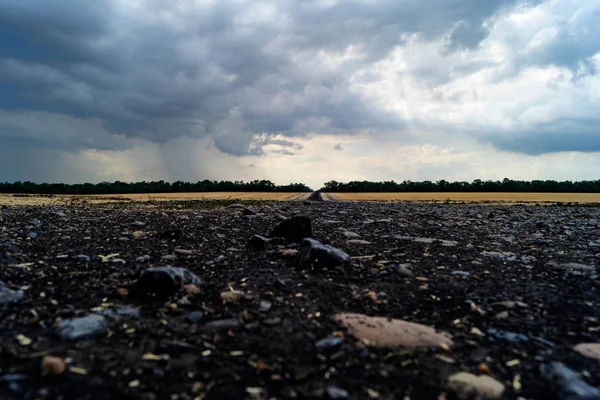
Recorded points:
(478, 185)
(119, 187)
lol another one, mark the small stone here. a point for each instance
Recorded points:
(8, 295)
(81, 328)
(60, 214)
(232, 296)
(83, 258)
(403, 270)
(191, 290)
(289, 253)
(371, 296)
(350, 235)
(591, 350)
(248, 211)
(578, 267)
(329, 343)
(53, 366)
(183, 252)
(358, 241)
(221, 325)
(502, 315)
(195, 316)
(122, 292)
(467, 386)
(388, 332)
(258, 243)
(483, 369)
(143, 258)
(121, 313)
(32, 235)
(138, 223)
(511, 337)
(510, 304)
(460, 273)
(567, 384)
(35, 222)
(293, 229)
(165, 280)
(317, 255)
(264, 307)
(336, 393)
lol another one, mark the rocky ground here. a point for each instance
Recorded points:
(181, 301)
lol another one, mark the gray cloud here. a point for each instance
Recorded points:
(157, 71)
(338, 147)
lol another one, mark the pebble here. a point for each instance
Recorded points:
(165, 280)
(317, 255)
(511, 337)
(221, 325)
(53, 366)
(591, 350)
(336, 393)
(232, 296)
(8, 295)
(258, 243)
(83, 258)
(567, 384)
(350, 235)
(195, 316)
(293, 229)
(389, 332)
(60, 214)
(461, 273)
(81, 328)
(265, 306)
(403, 270)
(468, 386)
(120, 313)
(332, 342)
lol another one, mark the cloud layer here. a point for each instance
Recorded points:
(252, 82)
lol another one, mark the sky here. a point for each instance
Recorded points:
(299, 90)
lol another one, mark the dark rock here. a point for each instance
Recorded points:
(317, 255)
(322, 239)
(336, 393)
(121, 313)
(165, 280)
(461, 273)
(195, 316)
(293, 229)
(248, 211)
(221, 325)
(83, 258)
(258, 242)
(507, 336)
(35, 222)
(265, 306)
(81, 328)
(567, 384)
(8, 295)
(330, 343)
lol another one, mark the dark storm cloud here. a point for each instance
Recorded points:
(168, 69)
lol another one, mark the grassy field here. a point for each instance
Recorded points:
(8, 199)
(467, 197)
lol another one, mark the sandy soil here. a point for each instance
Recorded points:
(468, 197)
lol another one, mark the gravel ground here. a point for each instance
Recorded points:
(181, 301)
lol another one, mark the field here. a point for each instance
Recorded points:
(9, 199)
(468, 197)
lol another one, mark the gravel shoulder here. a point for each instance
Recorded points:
(477, 301)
